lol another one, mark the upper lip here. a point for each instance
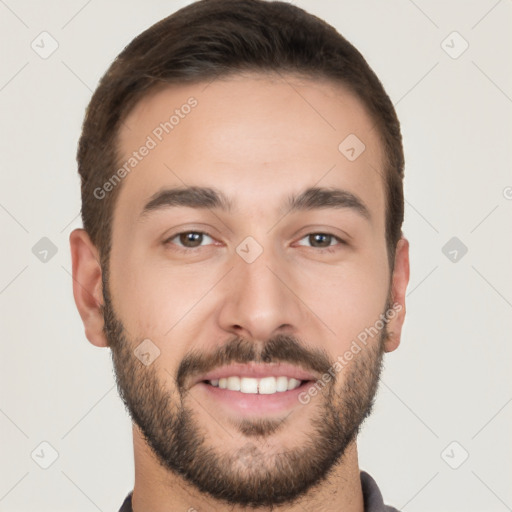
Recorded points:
(257, 371)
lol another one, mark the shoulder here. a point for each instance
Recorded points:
(373, 501)
(127, 504)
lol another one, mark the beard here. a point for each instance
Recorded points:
(245, 476)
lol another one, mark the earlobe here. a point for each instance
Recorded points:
(399, 282)
(87, 285)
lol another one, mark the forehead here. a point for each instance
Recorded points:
(251, 136)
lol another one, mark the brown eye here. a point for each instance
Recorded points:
(321, 241)
(189, 239)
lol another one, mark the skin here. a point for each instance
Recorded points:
(258, 139)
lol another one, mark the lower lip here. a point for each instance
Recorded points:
(253, 403)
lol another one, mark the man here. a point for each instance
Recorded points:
(242, 256)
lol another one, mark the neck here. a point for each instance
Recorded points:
(159, 490)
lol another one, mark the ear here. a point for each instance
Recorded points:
(399, 282)
(87, 285)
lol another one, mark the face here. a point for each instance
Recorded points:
(249, 251)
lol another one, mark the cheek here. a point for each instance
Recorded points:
(155, 299)
(346, 299)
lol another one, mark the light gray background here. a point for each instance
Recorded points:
(450, 378)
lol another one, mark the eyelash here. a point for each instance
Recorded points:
(329, 249)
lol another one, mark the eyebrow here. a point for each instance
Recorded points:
(210, 198)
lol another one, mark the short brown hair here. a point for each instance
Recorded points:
(212, 38)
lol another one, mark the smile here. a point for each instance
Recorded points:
(262, 386)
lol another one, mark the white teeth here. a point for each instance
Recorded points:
(293, 383)
(234, 383)
(282, 384)
(263, 386)
(267, 386)
(248, 385)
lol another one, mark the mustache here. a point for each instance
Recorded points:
(281, 348)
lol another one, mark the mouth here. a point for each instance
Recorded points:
(255, 389)
(257, 378)
(263, 386)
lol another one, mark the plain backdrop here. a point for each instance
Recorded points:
(439, 438)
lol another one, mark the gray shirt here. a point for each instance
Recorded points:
(373, 501)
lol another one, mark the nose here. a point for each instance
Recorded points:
(258, 299)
